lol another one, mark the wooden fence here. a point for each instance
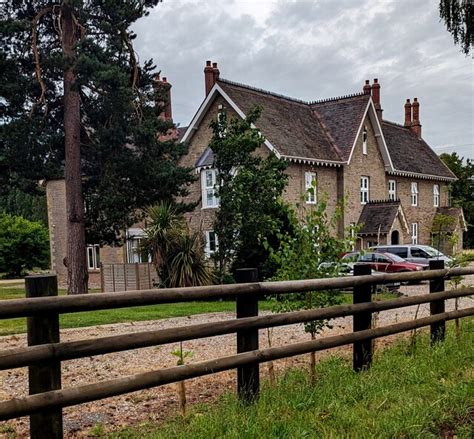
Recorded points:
(127, 277)
(44, 352)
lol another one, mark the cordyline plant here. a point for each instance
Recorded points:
(312, 251)
(75, 102)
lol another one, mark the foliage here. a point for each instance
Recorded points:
(462, 191)
(424, 395)
(249, 188)
(24, 245)
(442, 228)
(177, 254)
(127, 159)
(458, 17)
(311, 251)
(29, 206)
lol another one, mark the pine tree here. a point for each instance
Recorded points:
(76, 102)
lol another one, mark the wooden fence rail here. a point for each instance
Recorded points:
(46, 400)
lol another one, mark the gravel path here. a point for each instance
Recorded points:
(159, 403)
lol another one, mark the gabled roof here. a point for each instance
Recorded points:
(378, 217)
(342, 117)
(456, 213)
(289, 124)
(325, 132)
(411, 154)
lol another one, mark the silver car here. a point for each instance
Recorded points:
(419, 254)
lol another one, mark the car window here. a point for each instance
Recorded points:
(368, 257)
(395, 258)
(419, 253)
(381, 258)
(399, 251)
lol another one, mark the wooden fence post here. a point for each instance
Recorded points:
(44, 376)
(436, 307)
(362, 350)
(248, 377)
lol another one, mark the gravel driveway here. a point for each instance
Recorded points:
(161, 402)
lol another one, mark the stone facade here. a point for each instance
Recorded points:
(57, 220)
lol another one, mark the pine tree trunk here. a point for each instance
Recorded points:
(76, 244)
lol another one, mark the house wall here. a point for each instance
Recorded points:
(424, 213)
(57, 220)
(370, 165)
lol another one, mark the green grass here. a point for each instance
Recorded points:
(406, 394)
(135, 314)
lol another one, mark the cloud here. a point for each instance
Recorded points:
(316, 49)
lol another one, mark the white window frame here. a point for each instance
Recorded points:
(352, 235)
(93, 257)
(364, 140)
(207, 188)
(208, 250)
(310, 180)
(436, 196)
(414, 193)
(414, 233)
(392, 190)
(364, 189)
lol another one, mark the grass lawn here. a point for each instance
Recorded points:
(150, 312)
(421, 393)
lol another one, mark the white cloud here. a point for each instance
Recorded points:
(317, 49)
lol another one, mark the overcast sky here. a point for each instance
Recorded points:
(318, 49)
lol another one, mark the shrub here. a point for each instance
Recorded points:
(24, 245)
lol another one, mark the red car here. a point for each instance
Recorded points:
(385, 262)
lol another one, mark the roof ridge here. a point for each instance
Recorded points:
(398, 125)
(338, 98)
(261, 90)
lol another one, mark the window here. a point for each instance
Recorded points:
(414, 233)
(399, 251)
(364, 190)
(208, 181)
(93, 257)
(392, 190)
(381, 258)
(310, 187)
(364, 141)
(135, 253)
(414, 193)
(419, 253)
(212, 244)
(436, 195)
(367, 257)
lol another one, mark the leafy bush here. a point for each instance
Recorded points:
(24, 245)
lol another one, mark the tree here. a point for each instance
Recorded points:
(76, 102)
(30, 206)
(249, 190)
(178, 254)
(311, 251)
(458, 17)
(462, 191)
(24, 245)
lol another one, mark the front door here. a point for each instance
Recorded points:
(395, 237)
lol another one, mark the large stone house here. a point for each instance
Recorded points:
(393, 182)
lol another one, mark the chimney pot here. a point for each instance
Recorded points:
(367, 88)
(408, 118)
(376, 97)
(210, 76)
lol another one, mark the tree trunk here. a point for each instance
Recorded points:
(271, 366)
(312, 363)
(76, 243)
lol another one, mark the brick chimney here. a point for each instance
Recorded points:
(163, 97)
(416, 125)
(210, 76)
(367, 88)
(408, 114)
(376, 97)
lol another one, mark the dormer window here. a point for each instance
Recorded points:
(209, 192)
(414, 193)
(364, 141)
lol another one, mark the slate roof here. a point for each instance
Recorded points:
(325, 130)
(411, 154)
(342, 117)
(453, 212)
(289, 124)
(378, 214)
(181, 131)
(206, 158)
